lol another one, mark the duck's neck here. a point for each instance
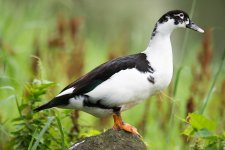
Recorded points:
(159, 51)
(159, 43)
(160, 39)
(160, 57)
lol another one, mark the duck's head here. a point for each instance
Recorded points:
(174, 19)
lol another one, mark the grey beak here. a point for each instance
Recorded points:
(193, 26)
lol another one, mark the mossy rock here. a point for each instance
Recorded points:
(110, 140)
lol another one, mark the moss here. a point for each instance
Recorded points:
(110, 140)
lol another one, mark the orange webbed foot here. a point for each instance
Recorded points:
(119, 125)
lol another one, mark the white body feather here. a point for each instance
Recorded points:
(129, 87)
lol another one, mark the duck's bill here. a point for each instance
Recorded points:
(193, 26)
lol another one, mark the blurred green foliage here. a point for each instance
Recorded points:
(28, 125)
(200, 132)
(60, 40)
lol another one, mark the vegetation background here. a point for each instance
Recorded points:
(45, 45)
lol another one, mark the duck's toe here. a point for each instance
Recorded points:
(120, 125)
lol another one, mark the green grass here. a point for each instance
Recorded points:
(50, 120)
(26, 29)
(210, 92)
(61, 132)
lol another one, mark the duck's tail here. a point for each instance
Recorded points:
(43, 107)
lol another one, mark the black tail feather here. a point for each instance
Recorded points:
(55, 102)
(42, 107)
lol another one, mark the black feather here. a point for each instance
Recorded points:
(57, 101)
(42, 107)
(103, 72)
(98, 75)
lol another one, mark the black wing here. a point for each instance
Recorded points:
(100, 74)
(103, 72)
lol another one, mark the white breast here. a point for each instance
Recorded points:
(159, 54)
(126, 87)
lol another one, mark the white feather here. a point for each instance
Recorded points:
(129, 87)
(159, 54)
(123, 88)
(68, 91)
(77, 103)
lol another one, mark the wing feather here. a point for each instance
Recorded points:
(103, 72)
(98, 75)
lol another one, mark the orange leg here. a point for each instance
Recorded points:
(119, 125)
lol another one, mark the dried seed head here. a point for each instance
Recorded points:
(205, 56)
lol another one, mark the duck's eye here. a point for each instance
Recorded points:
(181, 16)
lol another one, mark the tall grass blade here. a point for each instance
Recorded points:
(18, 106)
(8, 98)
(177, 81)
(61, 132)
(32, 140)
(50, 120)
(174, 93)
(186, 35)
(7, 88)
(183, 50)
(173, 105)
(209, 94)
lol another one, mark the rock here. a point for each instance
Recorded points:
(110, 140)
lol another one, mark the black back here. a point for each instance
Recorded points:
(105, 71)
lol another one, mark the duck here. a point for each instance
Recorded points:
(119, 84)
